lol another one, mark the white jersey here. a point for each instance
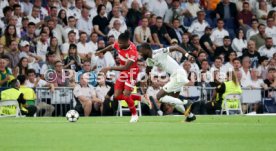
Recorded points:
(163, 60)
(178, 76)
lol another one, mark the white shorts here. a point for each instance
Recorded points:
(177, 80)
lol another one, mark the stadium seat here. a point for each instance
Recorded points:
(122, 105)
(7, 108)
(231, 103)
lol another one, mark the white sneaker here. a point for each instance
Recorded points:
(252, 113)
(160, 113)
(134, 118)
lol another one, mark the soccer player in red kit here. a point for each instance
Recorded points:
(129, 70)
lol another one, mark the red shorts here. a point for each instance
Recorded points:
(125, 82)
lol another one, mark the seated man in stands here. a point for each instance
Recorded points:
(85, 95)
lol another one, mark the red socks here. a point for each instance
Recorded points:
(129, 102)
(135, 97)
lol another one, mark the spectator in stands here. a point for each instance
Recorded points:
(42, 45)
(253, 30)
(239, 42)
(252, 53)
(71, 27)
(229, 62)
(13, 93)
(13, 54)
(5, 74)
(62, 18)
(100, 22)
(159, 33)
(262, 12)
(142, 33)
(27, 5)
(54, 47)
(93, 42)
(202, 55)
(160, 10)
(84, 24)
(21, 68)
(225, 48)
(218, 65)
(84, 49)
(60, 78)
(270, 29)
(267, 50)
(71, 40)
(133, 16)
(73, 60)
(8, 12)
(207, 44)
(9, 36)
(56, 29)
(31, 37)
(198, 26)
(227, 11)
(219, 33)
(270, 81)
(260, 37)
(245, 16)
(117, 16)
(175, 12)
(76, 10)
(86, 68)
(101, 90)
(192, 8)
(85, 95)
(34, 17)
(48, 65)
(245, 70)
(42, 11)
(176, 31)
(52, 13)
(229, 87)
(24, 26)
(236, 64)
(116, 29)
(262, 67)
(196, 45)
(186, 43)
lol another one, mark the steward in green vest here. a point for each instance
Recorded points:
(13, 93)
(231, 86)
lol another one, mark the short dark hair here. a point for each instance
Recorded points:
(31, 24)
(220, 19)
(71, 17)
(124, 36)
(159, 17)
(15, 6)
(271, 69)
(71, 32)
(226, 37)
(31, 71)
(99, 8)
(21, 79)
(6, 9)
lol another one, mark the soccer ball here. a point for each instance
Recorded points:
(72, 116)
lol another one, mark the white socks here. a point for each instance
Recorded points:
(180, 108)
(178, 104)
(171, 100)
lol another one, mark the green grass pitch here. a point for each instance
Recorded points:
(168, 133)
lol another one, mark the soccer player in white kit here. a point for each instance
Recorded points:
(178, 76)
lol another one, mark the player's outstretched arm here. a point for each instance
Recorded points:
(118, 68)
(179, 49)
(108, 48)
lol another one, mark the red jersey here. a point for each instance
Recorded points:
(129, 54)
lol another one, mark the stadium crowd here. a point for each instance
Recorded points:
(62, 36)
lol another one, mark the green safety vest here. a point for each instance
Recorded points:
(232, 88)
(9, 94)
